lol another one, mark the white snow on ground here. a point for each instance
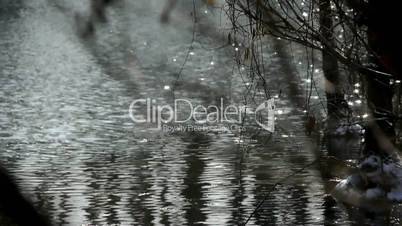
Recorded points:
(344, 129)
(377, 180)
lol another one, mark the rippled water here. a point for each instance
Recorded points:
(67, 137)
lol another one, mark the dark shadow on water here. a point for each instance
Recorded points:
(193, 191)
(14, 208)
(10, 8)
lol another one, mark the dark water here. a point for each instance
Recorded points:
(66, 135)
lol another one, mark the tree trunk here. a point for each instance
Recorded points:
(384, 56)
(336, 104)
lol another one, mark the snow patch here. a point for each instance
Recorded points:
(345, 129)
(375, 193)
(378, 179)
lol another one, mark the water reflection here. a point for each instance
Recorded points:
(195, 167)
(67, 137)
